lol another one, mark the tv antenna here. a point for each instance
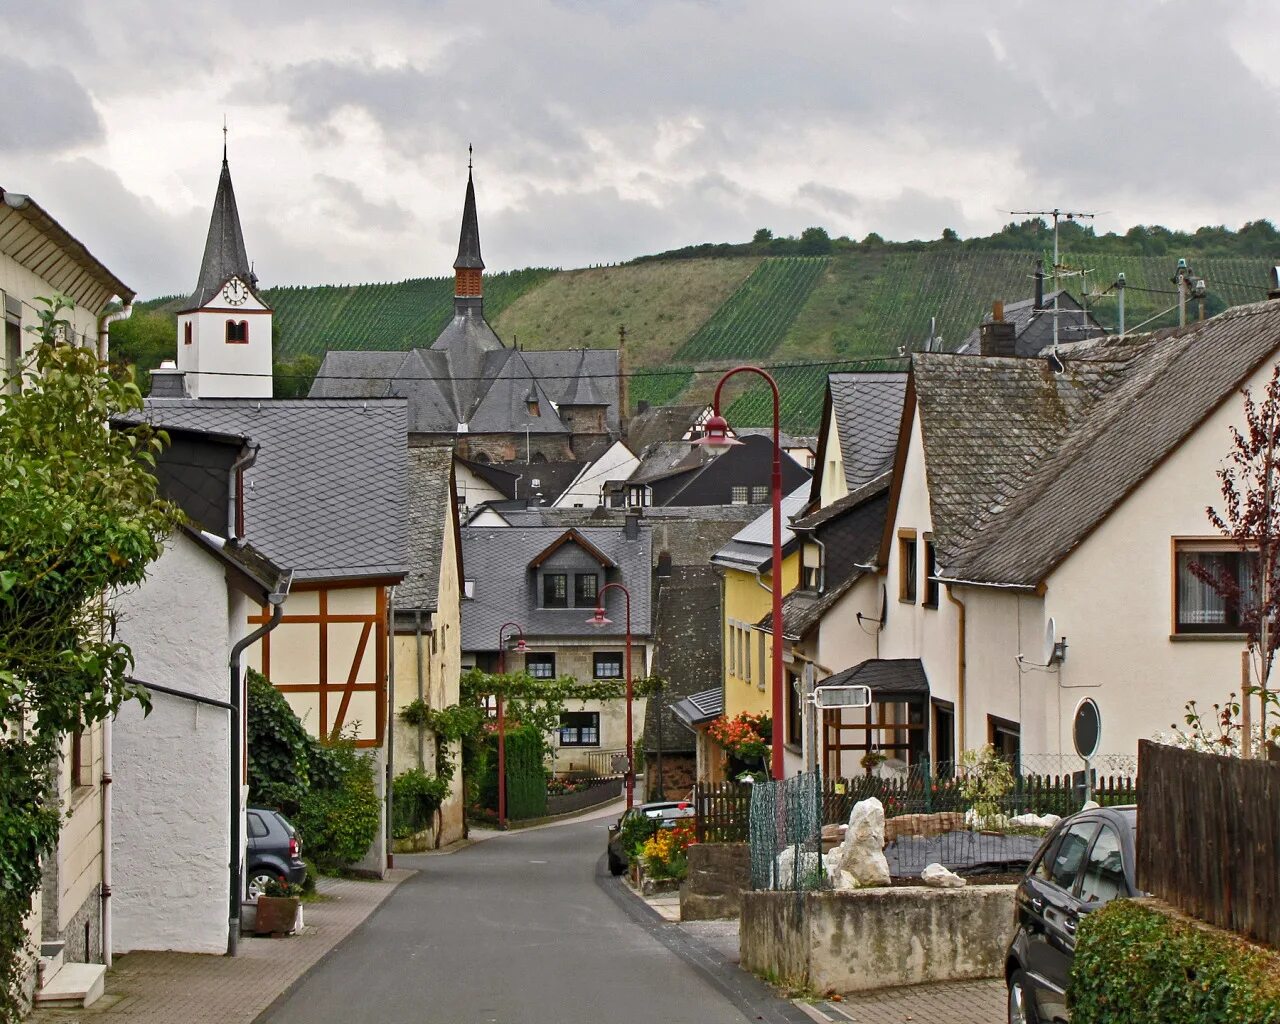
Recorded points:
(1057, 215)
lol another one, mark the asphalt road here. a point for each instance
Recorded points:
(521, 929)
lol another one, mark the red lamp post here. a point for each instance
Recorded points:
(599, 619)
(716, 434)
(521, 647)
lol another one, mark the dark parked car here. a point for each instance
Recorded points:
(1086, 861)
(666, 812)
(274, 851)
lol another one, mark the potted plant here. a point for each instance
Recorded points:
(872, 760)
(279, 909)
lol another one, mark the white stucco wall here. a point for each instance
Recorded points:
(218, 369)
(618, 463)
(19, 282)
(172, 808)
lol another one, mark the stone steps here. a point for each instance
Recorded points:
(72, 985)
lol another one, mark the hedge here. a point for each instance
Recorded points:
(1135, 964)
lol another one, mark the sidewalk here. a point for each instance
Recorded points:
(161, 988)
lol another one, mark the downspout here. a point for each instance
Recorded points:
(961, 663)
(422, 689)
(235, 492)
(106, 841)
(391, 714)
(104, 344)
(276, 599)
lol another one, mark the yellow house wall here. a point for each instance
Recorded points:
(833, 486)
(745, 603)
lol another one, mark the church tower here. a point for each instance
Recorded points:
(224, 330)
(468, 268)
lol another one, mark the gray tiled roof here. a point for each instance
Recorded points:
(987, 423)
(558, 370)
(429, 500)
(326, 496)
(887, 677)
(224, 253)
(700, 707)
(1156, 398)
(1033, 328)
(687, 648)
(752, 547)
(867, 409)
(663, 459)
(497, 559)
(661, 423)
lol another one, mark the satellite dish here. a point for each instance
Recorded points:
(1050, 641)
(1086, 728)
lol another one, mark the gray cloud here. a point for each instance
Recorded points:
(52, 112)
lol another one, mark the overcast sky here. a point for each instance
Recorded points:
(605, 129)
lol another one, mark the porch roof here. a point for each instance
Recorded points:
(700, 707)
(890, 679)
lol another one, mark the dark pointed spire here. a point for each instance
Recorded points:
(224, 254)
(469, 239)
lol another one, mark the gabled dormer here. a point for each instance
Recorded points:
(570, 573)
(224, 331)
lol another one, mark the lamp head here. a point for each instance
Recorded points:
(521, 647)
(599, 619)
(715, 434)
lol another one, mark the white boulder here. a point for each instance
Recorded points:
(938, 876)
(860, 858)
(784, 867)
(1035, 820)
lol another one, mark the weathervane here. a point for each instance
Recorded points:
(469, 151)
(224, 138)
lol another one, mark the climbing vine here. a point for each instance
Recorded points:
(79, 519)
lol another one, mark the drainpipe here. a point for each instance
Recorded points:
(391, 714)
(422, 688)
(961, 663)
(106, 841)
(276, 599)
(104, 334)
(235, 492)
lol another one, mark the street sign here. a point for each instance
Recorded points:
(1086, 728)
(842, 696)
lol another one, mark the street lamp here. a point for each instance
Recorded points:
(521, 648)
(599, 619)
(716, 435)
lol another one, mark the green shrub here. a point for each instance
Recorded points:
(281, 750)
(339, 820)
(416, 797)
(1135, 964)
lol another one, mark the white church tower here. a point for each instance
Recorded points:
(224, 331)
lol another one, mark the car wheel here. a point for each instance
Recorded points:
(258, 884)
(1022, 1008)
(616, 867)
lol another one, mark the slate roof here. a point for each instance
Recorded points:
(687, 649)
(1153, 400)
(469, 236)
(700, 707)
(1033, 328)
(665, 459)
(850, 530)
(868, 409)
(497, 559)
(751, 548)
(887, 677)
(326, 495)
(987, 423)
(429, 497)
(224, 252)
(661, 423)
(244, 559)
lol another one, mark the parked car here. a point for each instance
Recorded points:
(666, 812)
(1086, 861)
(274, 851)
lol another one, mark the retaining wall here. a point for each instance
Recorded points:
(718, 872)
(877, 938)
(598, 793)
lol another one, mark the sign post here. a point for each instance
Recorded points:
(1086, 734)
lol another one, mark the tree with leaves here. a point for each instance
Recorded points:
(1250, 516)
(79, 519)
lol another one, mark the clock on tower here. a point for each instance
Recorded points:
(235, 292)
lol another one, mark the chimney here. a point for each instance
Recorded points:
(167, 381)
(998, 337)
(631, 529)
(1039, 284)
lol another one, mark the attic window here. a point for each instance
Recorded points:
(186, 333)
(531, 403)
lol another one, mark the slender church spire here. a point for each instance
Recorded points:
(224, 252)
(468, 267)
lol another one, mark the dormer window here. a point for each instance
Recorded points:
(585, 588)
(555, 590)
(531, 403)
(237, 332)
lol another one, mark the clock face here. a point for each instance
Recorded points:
(235, 292)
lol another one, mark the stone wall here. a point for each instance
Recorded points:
(877, 938)
(679, 773)
(718, 872)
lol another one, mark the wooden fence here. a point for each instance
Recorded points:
(723, 810)
(1208, 836)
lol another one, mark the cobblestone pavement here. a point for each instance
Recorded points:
(161, 988)
(955, 1002)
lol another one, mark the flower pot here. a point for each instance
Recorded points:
(277, 915)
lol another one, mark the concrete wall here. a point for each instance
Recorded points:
(171, 802)
(718, 872)
(877, 938)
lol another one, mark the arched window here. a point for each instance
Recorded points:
(237, 333)
(482, 458)
(186, 333)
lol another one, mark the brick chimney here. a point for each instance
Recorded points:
(998, 336)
